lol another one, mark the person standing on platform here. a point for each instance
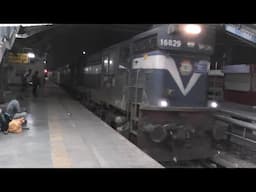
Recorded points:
(35, 83)
(25, 77)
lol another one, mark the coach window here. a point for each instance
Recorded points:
(111, 66)
(124, 56)
(105, 65)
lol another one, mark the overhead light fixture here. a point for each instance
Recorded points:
(84, 52)
(31, 55)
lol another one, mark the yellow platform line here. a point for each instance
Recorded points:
(59, 154)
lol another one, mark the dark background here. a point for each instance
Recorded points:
(65, 43)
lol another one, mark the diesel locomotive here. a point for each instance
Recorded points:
(152, 88)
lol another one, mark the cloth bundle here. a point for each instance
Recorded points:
(15, 125)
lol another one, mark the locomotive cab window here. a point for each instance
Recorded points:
(108, 66)
(124, 56)
(111, 66)
(105, 65)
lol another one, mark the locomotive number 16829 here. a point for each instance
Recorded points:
(170, 43)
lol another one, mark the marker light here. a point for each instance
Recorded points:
(45, 71)
(193, 29)
(31, 55)
(163, 103)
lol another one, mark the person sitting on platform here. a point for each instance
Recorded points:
(14, 110)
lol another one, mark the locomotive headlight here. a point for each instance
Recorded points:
(163, 103)
(213, 104)
(192, 29)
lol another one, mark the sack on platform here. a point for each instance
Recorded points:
(15, 126)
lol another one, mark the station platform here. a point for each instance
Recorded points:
(64, 134)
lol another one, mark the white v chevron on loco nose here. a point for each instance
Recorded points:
(171, 66)
(167, 63)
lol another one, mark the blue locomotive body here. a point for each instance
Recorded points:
(153, 90)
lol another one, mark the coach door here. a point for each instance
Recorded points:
(108, 80)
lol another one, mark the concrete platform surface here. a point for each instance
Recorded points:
(64, 134)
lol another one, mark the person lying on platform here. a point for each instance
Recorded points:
(13, 111)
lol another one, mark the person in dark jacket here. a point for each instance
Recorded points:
(14, 110)
(36, 83)
(25, 77)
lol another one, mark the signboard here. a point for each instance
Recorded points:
(19, 58)
(242, 68)
(202, 66)
(241, 32)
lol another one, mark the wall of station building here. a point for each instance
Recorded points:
(15, 71)
(16, 64)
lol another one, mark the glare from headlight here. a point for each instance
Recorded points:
(193, 29)
(214, 104)
(163, 103)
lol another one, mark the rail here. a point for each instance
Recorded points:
(229, 161)
(240, 123)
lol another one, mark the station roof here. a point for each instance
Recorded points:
(64, 42)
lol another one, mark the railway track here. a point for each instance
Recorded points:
(220, 160)
(191, 164)
(228, 160)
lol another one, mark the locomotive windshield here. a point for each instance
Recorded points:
(183, 37)
(190, 38)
